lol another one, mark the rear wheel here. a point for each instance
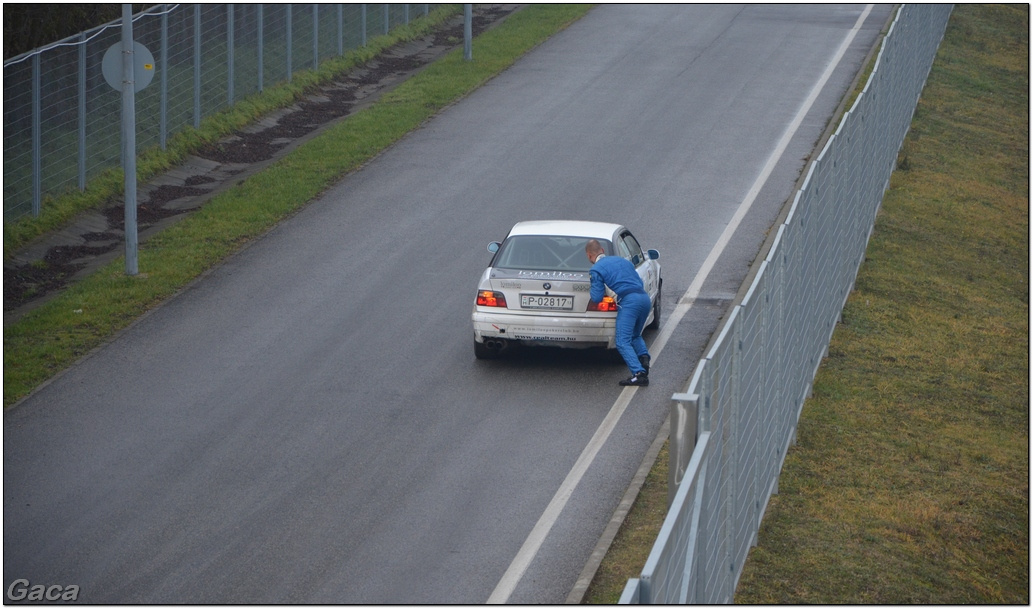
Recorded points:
(481, 351)
(655, 325)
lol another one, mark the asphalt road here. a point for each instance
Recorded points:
(308, 423)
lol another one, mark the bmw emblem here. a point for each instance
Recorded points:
(547, 286)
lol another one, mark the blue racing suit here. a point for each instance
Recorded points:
(632, 305)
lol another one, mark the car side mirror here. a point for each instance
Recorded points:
(494, 246)
(653, 254)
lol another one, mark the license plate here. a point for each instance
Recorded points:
(535, 301)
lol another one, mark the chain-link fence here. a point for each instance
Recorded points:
(62, 121)
(749, 388)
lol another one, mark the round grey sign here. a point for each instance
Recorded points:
(143, 66)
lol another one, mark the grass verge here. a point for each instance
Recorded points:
(52, 337)
(909, 482)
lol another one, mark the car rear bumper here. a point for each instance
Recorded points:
(556, 331)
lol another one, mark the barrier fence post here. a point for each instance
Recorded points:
(129, 137)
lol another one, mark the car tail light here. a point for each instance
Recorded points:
(608, 304)
(487, 298)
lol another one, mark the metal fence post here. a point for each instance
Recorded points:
(340, 29)
(731, 453)
(81, 156)
(260, 47)
(684, 407)
(468, 32)
(230, 45)
(197, 66)
(290, 42)
(163, 95)
(37, 161)
(315, 36)
(129, 137)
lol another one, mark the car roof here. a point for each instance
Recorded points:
(579, 228)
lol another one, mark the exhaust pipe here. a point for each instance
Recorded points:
(495, 344)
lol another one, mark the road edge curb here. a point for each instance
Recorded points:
(584, 580)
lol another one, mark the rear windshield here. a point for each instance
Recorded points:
(546, 253)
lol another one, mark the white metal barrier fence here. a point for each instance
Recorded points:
(749, 389)
(62, 121)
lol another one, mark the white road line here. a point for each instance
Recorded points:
(528, 551)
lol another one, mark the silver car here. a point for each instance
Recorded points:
(535, 290)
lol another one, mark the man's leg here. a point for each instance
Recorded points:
(641, 307)
(627, 321)
(631, 318)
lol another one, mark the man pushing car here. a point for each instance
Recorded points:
(633, 308)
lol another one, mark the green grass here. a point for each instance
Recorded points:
(909, 482)
(88, 313)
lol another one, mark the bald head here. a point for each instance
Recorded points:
(593, 249)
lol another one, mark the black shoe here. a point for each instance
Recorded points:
(644, 360)
(641, 379)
